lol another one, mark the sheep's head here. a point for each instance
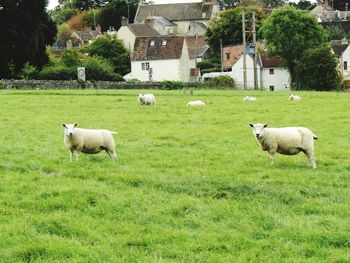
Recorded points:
(258, 130)
(69, 129)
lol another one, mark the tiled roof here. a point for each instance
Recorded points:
(175, 12)
(198, 47)
(270, 61)
(87, 35)
(144, 50)
(339, 49)
(235, 52)
(143, 30)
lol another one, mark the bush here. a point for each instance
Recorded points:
(29, 71)
(98, 68)
(208, 70)
(221, 81)
(58, 72)
(168, 84)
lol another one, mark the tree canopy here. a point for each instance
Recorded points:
(26, 30)
(288, 33)
(317, 70)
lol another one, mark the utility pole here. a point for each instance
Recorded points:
(254, 54)
(221, 57)
(244, 52)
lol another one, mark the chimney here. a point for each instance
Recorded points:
(124, 21)
(347, 7)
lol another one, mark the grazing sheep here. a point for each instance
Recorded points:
(196, 103)
(288, 141)
(294, 97)
(88, 141)
(147, 99)
(249, 98)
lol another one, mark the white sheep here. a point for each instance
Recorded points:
(288, 141)
(147, 99)
(294, 97)
(249, 98)
(196, 103)
(88, 141)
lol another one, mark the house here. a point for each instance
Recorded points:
(189, 18)
(129, 32)
(85, 37)
(271, 73)
(162, 58)
(341, 49)
(325, 13)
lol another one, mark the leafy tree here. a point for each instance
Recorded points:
(317, 69)
(61, 15)
(98, 68)
(263, 3)
(303, 5)
(336, 32)
(288, 34)
(77, 22)
(83, 4)
(113, 50)
(26, 30)
(112, 13)
(63, 35)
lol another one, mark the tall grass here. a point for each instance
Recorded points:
(190, 184)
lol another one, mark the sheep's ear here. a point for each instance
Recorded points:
(76, 124)
(265, 125)
(64, 125)
(251, 125)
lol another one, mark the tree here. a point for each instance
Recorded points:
(63, 35)
(303, 5)
(341, 4)
(264, 3)
(83, 4)
(336, 32)
(26, 30)
(289, 33)
(61, 15)
(228, 28)
(113, 50)
(317, 69)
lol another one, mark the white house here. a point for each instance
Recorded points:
(341, 49)
(271, 73)
(161, 58)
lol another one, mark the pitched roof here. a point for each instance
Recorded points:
(147, 48)
(175, 12)
(143, 30)
(87, 35)
(196, 47)
(339, 49)
(270, 61)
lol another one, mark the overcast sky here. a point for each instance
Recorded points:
(53, 3)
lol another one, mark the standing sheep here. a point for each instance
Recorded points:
(147, 99)
(88, 141)
(294, 97)
(196, 103)
(288, 141)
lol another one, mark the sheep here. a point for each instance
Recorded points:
(294, 97)
(196, 103)
(147, 99)
(287, 141)
(249, 98)
(88, 141)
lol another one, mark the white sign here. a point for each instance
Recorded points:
(81, 73)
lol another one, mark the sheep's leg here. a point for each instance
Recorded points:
(77, 155)
(312, 160)
(112, 154)
(272, 157)
(71, 152)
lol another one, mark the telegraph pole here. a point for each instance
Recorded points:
(221, 58)
(254, 54)
(244, 52)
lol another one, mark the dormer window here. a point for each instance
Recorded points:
(152, 43)
(164, 42)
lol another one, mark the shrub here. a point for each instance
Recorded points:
(98, 68)
(168, 84)
(208, 70)
(29, 71)
(221, 81)
(58, 72)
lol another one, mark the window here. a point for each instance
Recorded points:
(272, 88)
(164, 42)
(272, 71)
(228, 55)
(345, 65)
(152, 43)
(145, 65)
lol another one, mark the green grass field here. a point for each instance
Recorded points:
(190, 184)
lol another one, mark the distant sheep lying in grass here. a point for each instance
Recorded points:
(249, 98)
(294, 97)
(196, 103)
(147, 99)
(288, 141)
(88, 141)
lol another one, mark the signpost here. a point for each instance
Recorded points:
(81, 73)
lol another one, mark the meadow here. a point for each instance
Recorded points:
(189, 185)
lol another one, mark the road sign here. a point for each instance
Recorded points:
(81, 73)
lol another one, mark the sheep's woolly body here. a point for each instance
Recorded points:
(147, 99)
(196, 103)
(91, 141)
